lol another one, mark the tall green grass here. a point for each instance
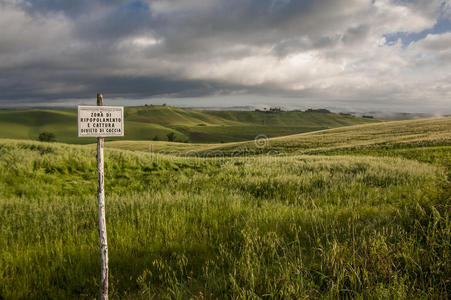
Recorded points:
(256, 227)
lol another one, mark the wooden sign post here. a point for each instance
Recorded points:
(100, 121)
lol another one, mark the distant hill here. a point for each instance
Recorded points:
(155, 122)
(379, 136)
(399, 116)
(362, 138)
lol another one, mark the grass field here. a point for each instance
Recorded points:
(358, 212)
(155, 122)
(386, 135)
(349, 139)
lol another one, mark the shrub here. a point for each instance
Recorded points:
(46, 137)
(171, 136)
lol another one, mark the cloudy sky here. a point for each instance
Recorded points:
(392, 55)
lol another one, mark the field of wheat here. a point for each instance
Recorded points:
(259, 226)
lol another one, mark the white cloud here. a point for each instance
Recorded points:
(390, 18)
(328, 50)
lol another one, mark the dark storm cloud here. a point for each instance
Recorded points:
(253, 22)
(71, 49)
(117, 23)
(70, 8)
(96, 27)
(113, 86)
(192, 27)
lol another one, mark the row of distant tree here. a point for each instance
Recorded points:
(278, 109)
(271, 109)
(317, 110)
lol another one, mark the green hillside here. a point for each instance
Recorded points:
(364, 137)
(353, 212)
(155, 122)
(294, 227)
(384, 135)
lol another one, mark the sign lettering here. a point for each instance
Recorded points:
(100, 121)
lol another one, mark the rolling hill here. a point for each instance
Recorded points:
(155, 122)
(357, 138)
(384, 135)
(291, 226)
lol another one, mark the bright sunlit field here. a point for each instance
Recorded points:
(369, 222)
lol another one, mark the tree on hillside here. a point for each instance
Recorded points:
(46, 137)
(171, 136)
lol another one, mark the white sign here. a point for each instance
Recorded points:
(100, 121)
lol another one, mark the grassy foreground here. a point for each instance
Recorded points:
(251, 227)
